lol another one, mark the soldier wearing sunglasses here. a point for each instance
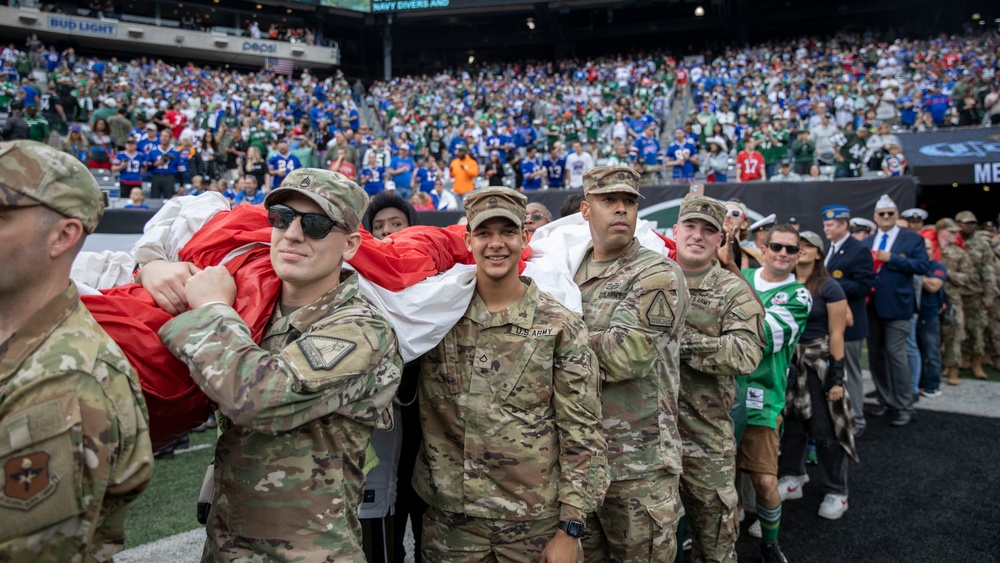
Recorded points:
(299, 409)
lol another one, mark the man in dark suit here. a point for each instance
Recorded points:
(899, 255)
(850, 263)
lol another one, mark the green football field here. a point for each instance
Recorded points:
(169, 504)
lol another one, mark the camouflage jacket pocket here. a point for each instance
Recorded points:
(528, 384)
(40, 455)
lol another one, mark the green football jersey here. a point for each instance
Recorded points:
(786, 306)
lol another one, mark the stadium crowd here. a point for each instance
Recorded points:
(828, 108)
(668, 335)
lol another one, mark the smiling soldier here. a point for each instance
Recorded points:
(513, 455)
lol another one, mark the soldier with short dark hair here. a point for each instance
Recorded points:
(721, 339)
(299, 409)
(634, 303)
(75, 447)
(513, 457)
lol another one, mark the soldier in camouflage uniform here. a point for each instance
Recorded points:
(962, 282)
(299, 409)
(513, 456)
(976, 306)
(993, 324)
(74, 441)
(721, 339)
(634, 304)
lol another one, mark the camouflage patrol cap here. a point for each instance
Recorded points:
(340, 198)
(966, 217)
(33, 173)
(611, 179)
(497, 201)
(701, 207)
(946, 224)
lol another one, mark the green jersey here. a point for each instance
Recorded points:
(39, 128)
(260, 138)
(786, 307)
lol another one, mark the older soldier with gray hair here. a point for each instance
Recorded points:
(634, 303)
(299, 409)
(721, 339)
(74, 441)
(513, 456)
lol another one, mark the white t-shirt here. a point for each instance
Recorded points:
(577, 165)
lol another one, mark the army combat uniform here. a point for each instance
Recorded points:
(721, 339)
(635, 306)
(962, 282)
(74, 440)
(510, 411)
(299, 413)
(981, 254)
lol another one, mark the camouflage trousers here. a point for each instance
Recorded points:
(456, 538)
(637, 522)
(992, 333)
(708, 489)
(975, 326)
(952, 336)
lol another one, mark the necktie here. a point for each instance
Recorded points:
(829, 254)
(885, 240)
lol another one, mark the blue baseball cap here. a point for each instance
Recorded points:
(836, 212)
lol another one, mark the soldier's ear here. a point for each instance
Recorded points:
(585, 209)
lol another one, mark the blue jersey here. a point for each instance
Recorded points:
(256, 199)
(168, 166)
(678, 151)
(405, 178)
(530, 166)
(185, 160)
(132, 173)
(426, 177)
(555, 170)
(375, 177)
(278, 163)
(646, 151)
(493, 143)
(230, 194)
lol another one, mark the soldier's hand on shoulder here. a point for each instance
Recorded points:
(165, 282)
(213, 284)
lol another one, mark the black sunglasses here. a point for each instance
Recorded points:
(886, 213)
(789, 248)
(314, 225)
(735, 213)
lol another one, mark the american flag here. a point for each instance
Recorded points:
(283, 66)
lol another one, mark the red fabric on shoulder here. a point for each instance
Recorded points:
(671, 246)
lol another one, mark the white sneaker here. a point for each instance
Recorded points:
(754, 529)
(743, 515)
(790, 486)
(833, 507)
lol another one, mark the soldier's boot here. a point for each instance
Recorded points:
(952, 374)
(977, 368)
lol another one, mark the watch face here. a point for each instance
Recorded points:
(573, 528)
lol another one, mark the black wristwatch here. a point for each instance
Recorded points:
(572, 527)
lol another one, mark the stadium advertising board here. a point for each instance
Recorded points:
(87, 26)
(355, 5)
(965, 156)
(417, 5)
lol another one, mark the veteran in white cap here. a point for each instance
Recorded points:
(915, 218)
(900, 255)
